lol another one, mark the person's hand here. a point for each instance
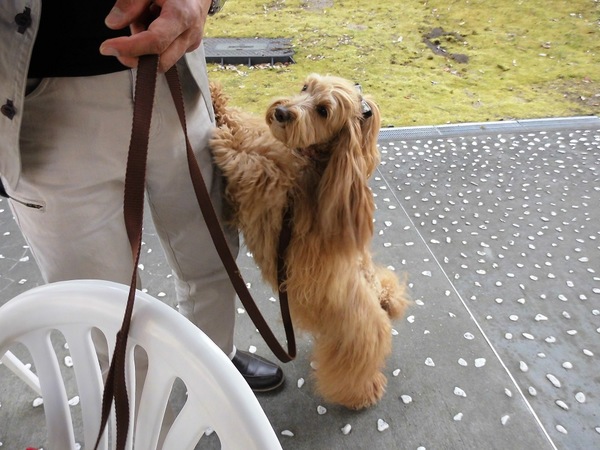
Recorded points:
(178, 29)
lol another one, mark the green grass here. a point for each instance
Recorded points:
(527, 58)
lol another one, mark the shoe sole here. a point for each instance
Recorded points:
(271, 388)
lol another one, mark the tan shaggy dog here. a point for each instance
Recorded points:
(317, 151)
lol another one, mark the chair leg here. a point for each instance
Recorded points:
(20, 370)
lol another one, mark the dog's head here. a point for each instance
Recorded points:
(331, 118)
(327, 111)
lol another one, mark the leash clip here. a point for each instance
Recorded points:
(366, 109)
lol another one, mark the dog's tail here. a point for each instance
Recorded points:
(219, 102)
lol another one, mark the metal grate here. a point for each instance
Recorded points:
(249, 51)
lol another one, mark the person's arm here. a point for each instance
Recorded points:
(178, 29)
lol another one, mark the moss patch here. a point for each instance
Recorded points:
(526, 58)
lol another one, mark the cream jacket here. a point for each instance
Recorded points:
(19, 22)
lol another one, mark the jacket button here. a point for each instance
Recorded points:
(8, 109)
(23, 20)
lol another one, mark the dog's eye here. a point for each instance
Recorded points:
(322, 111)
(305, 87)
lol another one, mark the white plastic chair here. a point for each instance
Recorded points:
(217, 395)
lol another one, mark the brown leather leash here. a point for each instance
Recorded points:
(133, 205)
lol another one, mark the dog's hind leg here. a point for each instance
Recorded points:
(350, 352)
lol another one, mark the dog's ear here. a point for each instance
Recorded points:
(370, 125)
(346, 203)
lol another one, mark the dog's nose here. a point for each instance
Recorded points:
(282, 114)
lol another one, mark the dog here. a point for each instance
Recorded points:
(316, 151)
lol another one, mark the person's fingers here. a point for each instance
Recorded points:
(177, 30)
(172, 54)
(124, 12)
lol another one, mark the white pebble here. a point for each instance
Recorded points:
(553, 380)
(38, 401)
(562, 404)
(523, 366)
(252, 349)
(587, 352)
(396, 372)
(321, 410)
(68, 361)
(532, 391)
(469, 336)
(406, 399)
(504, 419)
(300, 382)
(508, 392)
(74, 401)
(346, 429)
(462, 362)
(382, 425)
(410, 319)
(540, 317)
(480, 362)
(427, 273)
(429, 362)
(287, 433)
(458, 391)
(458, 417)
(580, 397)
(561, 429)
(567, 365)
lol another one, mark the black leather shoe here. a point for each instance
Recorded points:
(260, 374)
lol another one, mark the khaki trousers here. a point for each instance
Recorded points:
(69, 199)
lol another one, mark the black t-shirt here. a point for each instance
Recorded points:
(69, 38)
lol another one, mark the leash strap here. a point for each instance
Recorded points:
(216, 232)
(133, 205)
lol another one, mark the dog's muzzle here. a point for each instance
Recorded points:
(282, 114)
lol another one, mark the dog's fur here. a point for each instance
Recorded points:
(317, 150)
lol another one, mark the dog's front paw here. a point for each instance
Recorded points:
(392, 295)
(221, 139)
(352, 394)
